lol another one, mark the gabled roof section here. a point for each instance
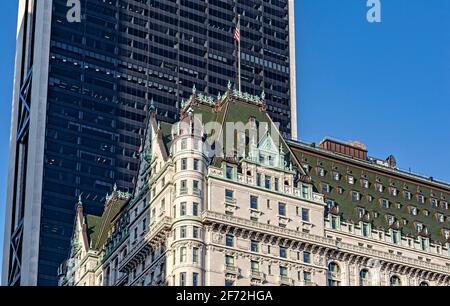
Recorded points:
(235, 107)
(98, 227)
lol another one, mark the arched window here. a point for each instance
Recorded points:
(395, 281)
(334, 267)
(424, 284)
(364, 277)
(334, 274)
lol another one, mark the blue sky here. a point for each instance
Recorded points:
(386, 85)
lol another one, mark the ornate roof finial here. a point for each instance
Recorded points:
(263, 95)
(115, 187)
(229, 85)
(194, 90)
(183, 104)
(80, 202)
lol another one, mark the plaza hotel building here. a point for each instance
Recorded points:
(283, 213)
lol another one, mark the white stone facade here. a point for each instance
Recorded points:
(198, 224)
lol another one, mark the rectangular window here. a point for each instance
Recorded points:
(229, 172)
(283, 252)
(182, 209)
(355, 196)
(306, 257)
(277, 184)
(195, 232)
(325, 188)
(267, 182)
(229, 240)
(307, 277)
(194, 279)
(183, 253)
(183, 279)
(183, 231)
(305, 214)
(229, 195)
(258, 179)
(183, 187)
(183, 144)
(195, 210)
(183, 164)
(229, 261)
(283, 271)
(195, 255)
(282, 209)
(254, 246)
(254, 266)
(253, 202)
(196, 164)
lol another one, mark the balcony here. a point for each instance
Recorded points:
(256, 275)
(310, 284)
(284, 280)
(230, 269)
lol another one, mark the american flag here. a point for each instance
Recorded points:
(237, 33)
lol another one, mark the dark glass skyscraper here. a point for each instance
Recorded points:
(82, 90)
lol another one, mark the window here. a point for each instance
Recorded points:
(283, 271)
(440, 217)
(305, 192)
(423, 284)
(396, 237)
(305, 214)
(183, 255)
(182, 209)
(408, 195)
(421, 199)
(283, 252)
(144, 225)
(162, 207)
(351, 180)
(229, 261)
(267, 182)
(366, 230)
(183, 144)
(195, 209)
(413, 211)
(321, 172)
(365, 183)
(253, 202)
(385, 203)
(307, 277)
(282, 209)
(229, 172)
(434, 203)
(380, 188)
(229, 195)
(195, 232)
(229, 240)
(254, 266)
(325, 188)
(183, 164)
(364, 277)
(195, 255)
(277, 184)
(254, 246)
(355, 196)
(183, 187)
(335, 222)
(336, 176)
(183, 279)
(306, 257)
(229, 283)
(424, 243)
(196, 186)
(395, 281)
(258, 179)
(196, 164)
(361, 212)
(390, 219)
(195, 279)
(183, 231)
(419, 227)
(394, 192)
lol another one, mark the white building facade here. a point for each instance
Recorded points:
(202, 220)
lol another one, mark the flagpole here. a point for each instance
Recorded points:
(239, 55)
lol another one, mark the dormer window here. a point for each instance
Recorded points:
(421, 199)
(385, 203)
(355, 196)
(444, 205)
(390, 219)
(394, 192)
(407, 195)
(413, 211)
(440, 218)
(380, 188)
(336, 176)
(419, 227)
(321, 172)
(446, 233)
(365, 183)
(434, 203)
(361, 212)
(351, 180)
